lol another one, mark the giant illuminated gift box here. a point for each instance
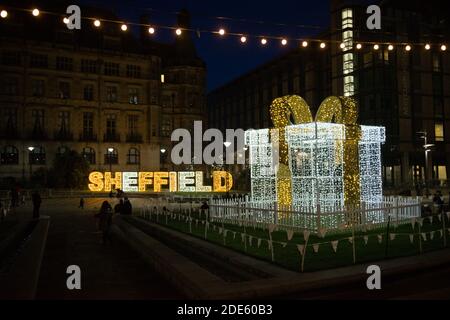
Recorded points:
(316, 155)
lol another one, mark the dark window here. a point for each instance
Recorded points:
(89, 155)
(133, 123)
(111, 156)
(37, 156)
(88, 123)
(133, 156)
(38, 61)
(64, 90)
(111, 93)
(9, 120)
(38, 120)
(62, 150)
(88, 92)
(111, 69)
(64, 63)
(88, 66)
(10, 86)
(111, 125)
(10, 155)
(64, 121)
(133, 95)
(11, 58)
(37, 87)
(133, 71)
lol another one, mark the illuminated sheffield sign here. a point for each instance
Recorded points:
(186, 181)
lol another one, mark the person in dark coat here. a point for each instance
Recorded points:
(36, 199)
(105, 221)
(118, 208)
(81, 203)
(127, 207)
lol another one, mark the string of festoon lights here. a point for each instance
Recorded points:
(245, 38)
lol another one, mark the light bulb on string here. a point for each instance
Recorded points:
(390, 47)
(323, 45)
(3, 14)
(263, 41)
(66, 20)
(222, 32)
(35, 12)
(97, 23)
(376, 47)
(427, 47)
(342, 45)
(284, 42)
(151, 30)
(178, 32)
(243, 39)
(124, 27)
(443, 47)
(359, 46)
(304, 44)
(408, 48)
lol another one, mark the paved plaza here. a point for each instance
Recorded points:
(107, 272)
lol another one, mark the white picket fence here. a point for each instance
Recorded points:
(394, 209)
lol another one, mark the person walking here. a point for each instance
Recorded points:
(105, 221)
(127, 207)
(81, 206)
(36, 199)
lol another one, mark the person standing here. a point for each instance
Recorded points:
(127, 207)
(81, 203)
(105, 221)
(36, 199)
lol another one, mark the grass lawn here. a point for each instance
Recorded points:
(286, 253)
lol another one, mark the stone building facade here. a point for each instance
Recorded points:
(109, 95)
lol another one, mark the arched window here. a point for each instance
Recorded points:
(133, 156)
(10, 155)
(37, 155)
(111, 156)
(89, 155)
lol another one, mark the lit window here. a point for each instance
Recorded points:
(439, 132)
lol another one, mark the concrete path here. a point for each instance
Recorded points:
(107, 272)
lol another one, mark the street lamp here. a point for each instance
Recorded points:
(227, 144)
(427, 148)
(110, 152)
(30, 160)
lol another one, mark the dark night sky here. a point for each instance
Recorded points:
(227, 58)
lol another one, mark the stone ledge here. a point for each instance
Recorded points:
(198, 283)
(21, 282)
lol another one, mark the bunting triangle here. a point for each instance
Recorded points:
(234, 235)
(271, 227)
(441, 233)
(420, 222)
(220, 230)
(413, 222)
(306, 235)
(301, 249)
(380, 238)
(250, 240)
(411, 238)
(431, 235)
(392, 236)
(334, 245)
(243, 237)
(350, 239)
(259, 242)
(366, 239)
(439, 217)
(322, 232)
(424, 236)
(290, 234)
(284, 244)
(316, 247)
